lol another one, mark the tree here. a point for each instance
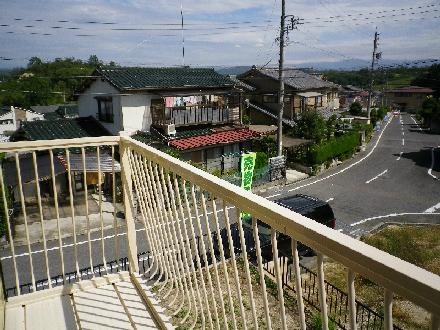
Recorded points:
(34, 61)
(312, 126)
(430, 110)
(94, 61)
(430, 78)
(355, 109)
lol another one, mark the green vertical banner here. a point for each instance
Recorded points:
(247, 164)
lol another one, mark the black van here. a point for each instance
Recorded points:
(305, 205)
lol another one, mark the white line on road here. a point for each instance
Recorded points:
(389, 216)
(432, 209)
(432, 164)
(329, 200)
(400, 155)
(403, 142)
(403, 133)
(348, 167)
(377, 176)
(416, 123)
(273, 196)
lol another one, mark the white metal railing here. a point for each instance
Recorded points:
(184, 217)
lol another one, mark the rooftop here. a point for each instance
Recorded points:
(412, 89)
(59, 129)
(214, 138)
(294, 78)
(137, 78)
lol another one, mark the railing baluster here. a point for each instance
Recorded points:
(57, 213)
(388, 310)
(40, 208)
(115, 222)
(321, 290)
(72, 212)
(261, 272)
(86, 201)
(276, 262)
(26, 227)
(101, 217)
(214, 261)
(234, 263)
(127, 185)
(246, 267)
(351, 299)
(199, 265)
(11, 240)
(188, 253)
(298, 288)
(205, 258)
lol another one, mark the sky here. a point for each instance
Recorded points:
(216, 32)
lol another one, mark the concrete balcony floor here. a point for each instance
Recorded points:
(109, 302)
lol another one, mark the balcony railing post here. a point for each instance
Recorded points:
(127, 185)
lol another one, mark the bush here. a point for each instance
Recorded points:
(355, 109)
(261, 160)
(317, 323)
(333, 148)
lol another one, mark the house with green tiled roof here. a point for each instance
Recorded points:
(196, 111)
(133, 98)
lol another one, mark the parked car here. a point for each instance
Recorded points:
(305, 205)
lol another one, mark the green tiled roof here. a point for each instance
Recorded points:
(132, 78)
(51, 116)
(193, 132)
(59, 129)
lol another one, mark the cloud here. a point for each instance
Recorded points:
(226, 32)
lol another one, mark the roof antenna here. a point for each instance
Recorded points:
(183, 37)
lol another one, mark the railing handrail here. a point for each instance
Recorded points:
(39, 145)
(401, 277)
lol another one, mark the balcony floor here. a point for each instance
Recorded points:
(110, 302)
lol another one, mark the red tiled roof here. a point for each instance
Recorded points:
(412, 89)
(223, 137)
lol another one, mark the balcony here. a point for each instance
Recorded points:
(192, 115)
(177, 253)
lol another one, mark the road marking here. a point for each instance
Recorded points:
(403, 133)
(348, 167)
(432, 165)
(400, 155)
(403, 142)
(389, 216)
(432, 209)
(416, 123)
(377, 176)
(329, 200)
(273, 196)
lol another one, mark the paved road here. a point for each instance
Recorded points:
(395, 175)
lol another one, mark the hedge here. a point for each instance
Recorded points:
(333, 148)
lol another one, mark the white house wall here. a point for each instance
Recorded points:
(136, 114)
(31, 116)
(88, 106)
(11, 126)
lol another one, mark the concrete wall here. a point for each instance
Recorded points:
(136, 113)
(88, 106)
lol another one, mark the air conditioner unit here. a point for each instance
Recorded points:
(170, 129)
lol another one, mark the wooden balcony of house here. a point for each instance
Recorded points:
(193, 115)
(185, 257)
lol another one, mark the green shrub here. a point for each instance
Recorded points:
(261, 160)
(355, 109)
(317, 323)
(345, 144)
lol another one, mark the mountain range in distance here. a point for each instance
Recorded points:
(344, 65)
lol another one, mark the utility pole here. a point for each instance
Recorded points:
(281, 78)
(374, 57)
(294, 21)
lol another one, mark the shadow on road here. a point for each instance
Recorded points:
(422, 158)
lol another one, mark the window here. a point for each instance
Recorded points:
(105, 109)
(270, 98)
